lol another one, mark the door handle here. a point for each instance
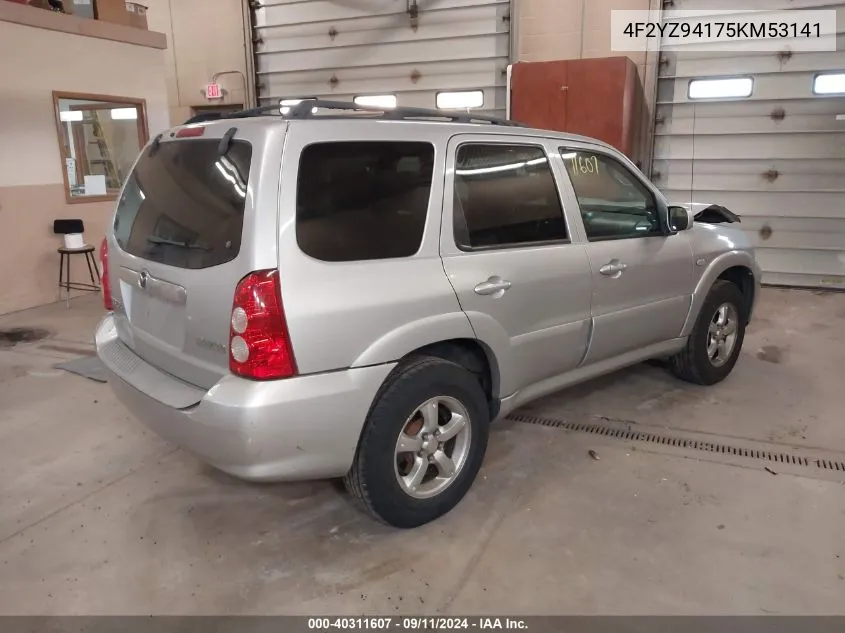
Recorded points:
(614, 268)
(493, 286)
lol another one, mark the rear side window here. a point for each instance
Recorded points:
(505, 195)
(363, 200)
(183, 205)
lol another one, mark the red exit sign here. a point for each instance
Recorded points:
(213, 91)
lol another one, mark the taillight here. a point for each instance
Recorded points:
(189, 132)
(104, 266)
(259, 342)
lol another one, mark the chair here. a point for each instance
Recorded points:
(72, 231)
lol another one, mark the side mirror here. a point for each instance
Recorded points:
(680, 218)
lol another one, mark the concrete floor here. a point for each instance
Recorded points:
(98, 516)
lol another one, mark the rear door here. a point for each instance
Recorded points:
(187, 228)
(642, 279)
(506, 248)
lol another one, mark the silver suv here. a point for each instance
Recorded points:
(343, 292)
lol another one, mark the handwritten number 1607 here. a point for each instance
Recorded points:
(582, 165)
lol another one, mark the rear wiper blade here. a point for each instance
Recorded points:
(166, 242)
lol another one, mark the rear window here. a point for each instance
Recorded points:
(183, 205)
(363, 200)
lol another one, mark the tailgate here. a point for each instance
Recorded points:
(185, 231)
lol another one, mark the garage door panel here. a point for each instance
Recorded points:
(776, 157)
(768, 179)
(823, 232)
(321, 48)
(731, 109)
(495, 99)
(798, 267)
(309, 11)
(753, 125)
(799, 280)
(386, 79)
(771, 236)
(726, 167)
(754, 5)
(675, 58)
(790, 146)
(477, 21)
(762, 204)
(297, 12)
(766, 87)
(759, 63)
(478, 47)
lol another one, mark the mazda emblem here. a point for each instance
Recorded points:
(143, 278)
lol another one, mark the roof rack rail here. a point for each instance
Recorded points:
(305, 110)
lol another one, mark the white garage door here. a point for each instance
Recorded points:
(342, 49)
(776, 157)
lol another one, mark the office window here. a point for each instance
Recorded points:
(461, 100)
(829, 84)
(376, 101)
(733, 88)
(99, 138)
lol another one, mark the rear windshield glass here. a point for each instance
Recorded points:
(183, 205)
(363, 200)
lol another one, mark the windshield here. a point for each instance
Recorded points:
(183, 204)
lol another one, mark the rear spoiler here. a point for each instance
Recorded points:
(712, 213)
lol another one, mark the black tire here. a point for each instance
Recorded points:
(693, 364)
(372, 479)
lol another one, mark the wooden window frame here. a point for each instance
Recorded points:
(143, 135)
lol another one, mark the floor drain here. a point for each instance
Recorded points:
(665, 439)
(15, 335)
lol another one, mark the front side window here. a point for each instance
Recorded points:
(614, 203)
(505, 195)
(363, 200)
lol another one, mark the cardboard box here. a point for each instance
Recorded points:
(121, 12)
(113, 11)
(137, 15)
(82, 8)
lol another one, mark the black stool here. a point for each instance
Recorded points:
(64, 227)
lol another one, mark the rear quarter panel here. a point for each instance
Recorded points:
(354, 314)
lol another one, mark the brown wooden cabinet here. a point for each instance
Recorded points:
(602, 98)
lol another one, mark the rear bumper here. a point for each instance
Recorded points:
(300, 428)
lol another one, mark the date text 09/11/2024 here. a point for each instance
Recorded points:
(422, 623)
